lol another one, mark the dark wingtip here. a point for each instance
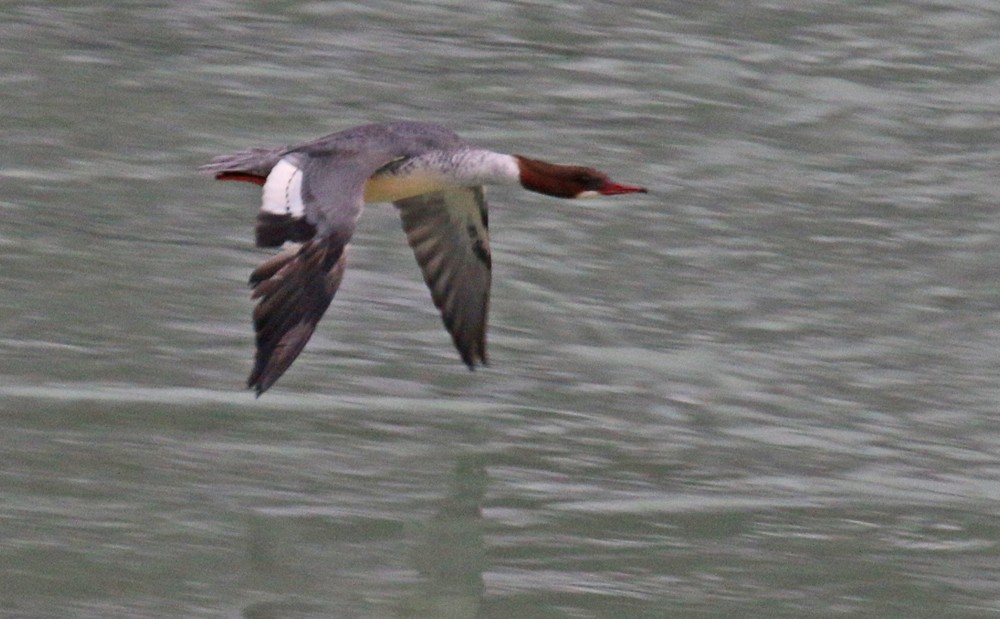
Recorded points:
(253, 382)
(256, 380)
(293, 290)
(472, 360)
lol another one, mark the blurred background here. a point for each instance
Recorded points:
(768, 388)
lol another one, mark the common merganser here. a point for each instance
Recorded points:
(313, 194)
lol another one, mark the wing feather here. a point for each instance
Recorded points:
(292, 299)
(448, 233)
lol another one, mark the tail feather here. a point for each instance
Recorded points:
(294, 290)
(251, 165)
(241, 176)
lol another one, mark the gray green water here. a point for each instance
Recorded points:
(766, 389)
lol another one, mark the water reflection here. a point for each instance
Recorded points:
(451, 554)
(296, 555)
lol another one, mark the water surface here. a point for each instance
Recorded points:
(765, 389)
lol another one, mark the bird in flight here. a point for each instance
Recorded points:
(313, 194)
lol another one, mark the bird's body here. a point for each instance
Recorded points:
(313, 194)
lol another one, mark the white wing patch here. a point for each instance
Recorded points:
(283, 190)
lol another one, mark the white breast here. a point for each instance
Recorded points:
(283, 190)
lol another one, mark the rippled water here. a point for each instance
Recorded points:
(768, 388)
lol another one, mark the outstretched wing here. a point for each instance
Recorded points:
(448, 231)
(294, 289)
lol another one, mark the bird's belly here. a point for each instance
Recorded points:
(388, 187)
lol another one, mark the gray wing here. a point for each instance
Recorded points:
(294, 289)
(333, 187)
(448, 231)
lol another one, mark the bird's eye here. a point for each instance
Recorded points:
(590, 182)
